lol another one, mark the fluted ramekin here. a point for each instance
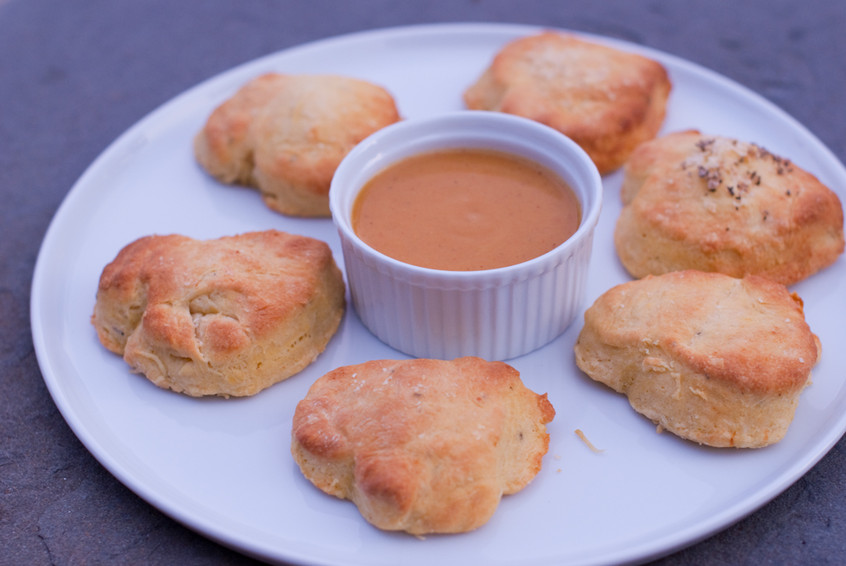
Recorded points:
(495, 314)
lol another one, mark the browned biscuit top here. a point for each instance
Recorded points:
(228, 316)
(750, 332)
(422, 445)
(713, 359)
(286, 134)
(606, 100)
(695, 201)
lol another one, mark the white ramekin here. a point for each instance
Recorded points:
(495, 314)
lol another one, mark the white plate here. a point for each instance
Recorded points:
(223, 467)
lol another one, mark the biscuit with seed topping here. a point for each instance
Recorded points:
(713, 203)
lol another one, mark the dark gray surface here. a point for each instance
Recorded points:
(75, 74)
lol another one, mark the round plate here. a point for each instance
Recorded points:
(223, 467)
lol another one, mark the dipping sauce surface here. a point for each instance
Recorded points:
(465, 210)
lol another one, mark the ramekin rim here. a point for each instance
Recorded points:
(538, 264)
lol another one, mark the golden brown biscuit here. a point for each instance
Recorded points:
(712, 203)
(229, 316)
(714, 359)
(423, 446)
(606, 100)
(286, 134)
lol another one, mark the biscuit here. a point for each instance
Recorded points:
(712, 358)
(227, 317)
(711, 203)
(286, 134)
(606, 100)
(422, 446)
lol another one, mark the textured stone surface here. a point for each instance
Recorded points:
(74, 75)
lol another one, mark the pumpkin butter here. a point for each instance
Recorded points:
(465, 210)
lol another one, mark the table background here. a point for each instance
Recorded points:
(75, 74)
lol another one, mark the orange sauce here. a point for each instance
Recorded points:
(465, 210)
